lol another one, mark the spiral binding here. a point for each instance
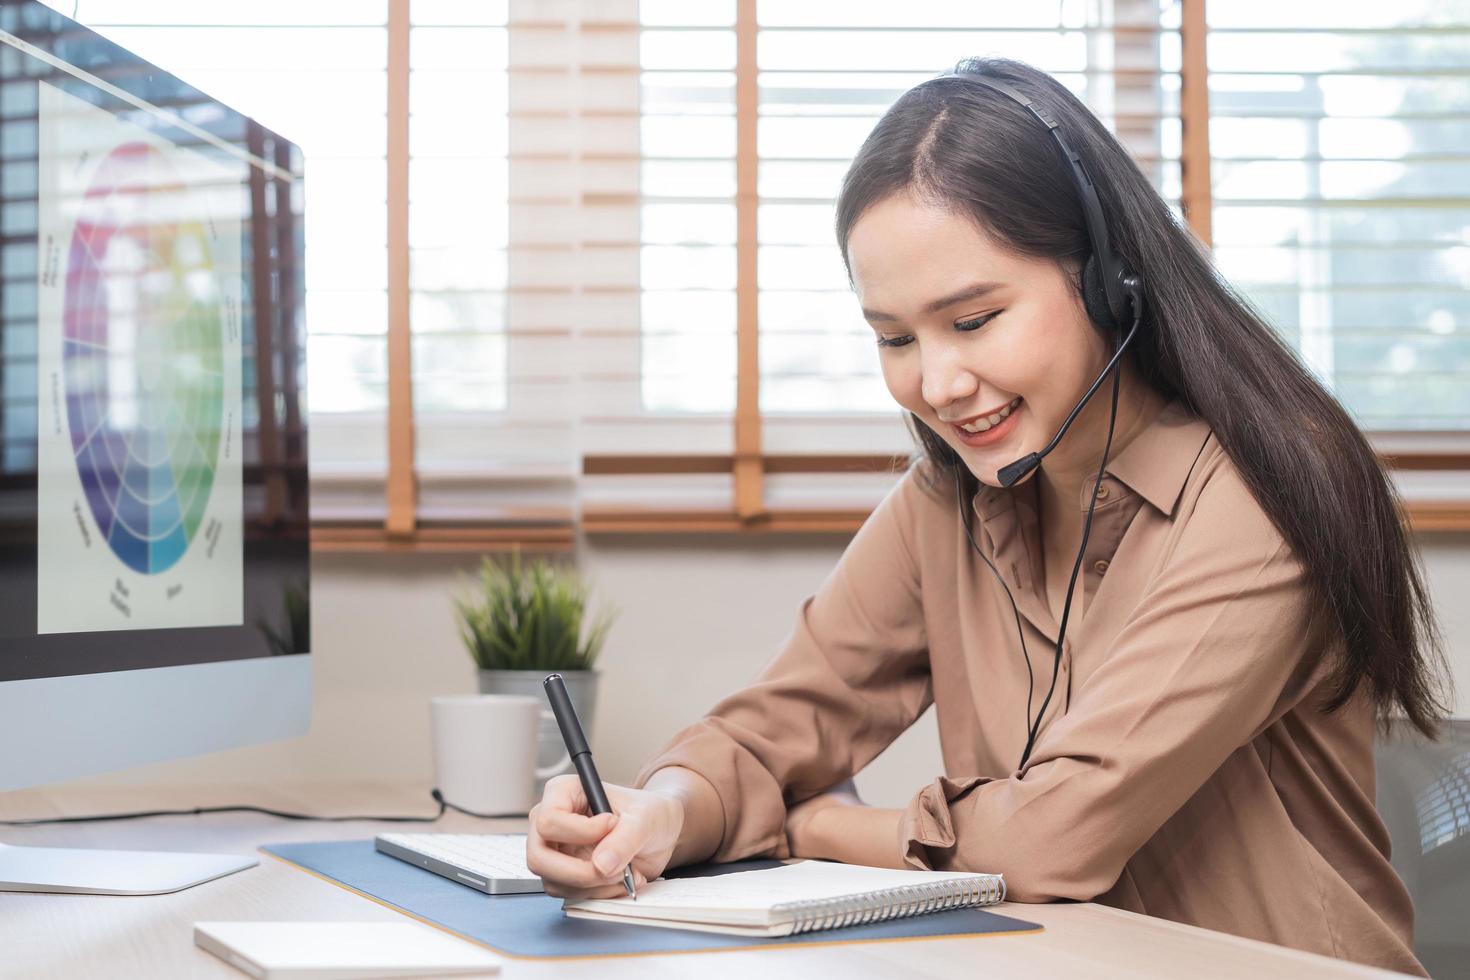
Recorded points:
(893, 903)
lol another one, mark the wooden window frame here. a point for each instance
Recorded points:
(748, 465)
(402, 491)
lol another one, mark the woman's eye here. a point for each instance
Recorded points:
(964, 325)
(978, 322)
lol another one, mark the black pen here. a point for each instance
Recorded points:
(571, 733)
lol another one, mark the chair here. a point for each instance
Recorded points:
(1424, 798)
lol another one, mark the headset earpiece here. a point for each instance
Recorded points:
(1095, 297)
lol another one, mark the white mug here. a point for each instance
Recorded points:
(485, 751)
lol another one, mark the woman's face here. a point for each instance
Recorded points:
(970, 333)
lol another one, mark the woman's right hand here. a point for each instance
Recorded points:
(579, 855)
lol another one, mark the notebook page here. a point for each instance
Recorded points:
(747, 897)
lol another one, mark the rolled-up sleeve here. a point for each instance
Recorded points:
(850, 678)
(1213, 653)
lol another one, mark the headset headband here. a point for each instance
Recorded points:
(1124, 291)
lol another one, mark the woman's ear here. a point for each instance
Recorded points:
(1087, 286)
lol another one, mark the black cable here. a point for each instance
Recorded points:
(1033, 728)
(244, 808)
(1072, 582)
(965, 522)
(1111, 366)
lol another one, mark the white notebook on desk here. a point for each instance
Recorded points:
(342, 950)
(793, 898)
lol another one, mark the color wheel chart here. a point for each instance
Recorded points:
(143, 370)
(140, 521)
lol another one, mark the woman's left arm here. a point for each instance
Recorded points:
(1214, 652)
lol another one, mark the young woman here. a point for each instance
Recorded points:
(1246, 602)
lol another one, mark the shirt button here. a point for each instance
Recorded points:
(1102, 491)
(1100, 566)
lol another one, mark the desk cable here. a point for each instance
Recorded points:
(444, 805)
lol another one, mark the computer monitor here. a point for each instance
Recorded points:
(154, 592)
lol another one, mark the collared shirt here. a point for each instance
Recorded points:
(1183, 768)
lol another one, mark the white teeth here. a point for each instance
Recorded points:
(983, 423)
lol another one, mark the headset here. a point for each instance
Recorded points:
(1112, 295)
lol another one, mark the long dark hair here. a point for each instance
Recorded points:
(967, 147)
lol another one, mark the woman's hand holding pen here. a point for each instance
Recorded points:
(579, 855)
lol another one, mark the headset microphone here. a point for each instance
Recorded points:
(1012, 472)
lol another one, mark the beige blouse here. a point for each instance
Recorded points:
(1182, 769)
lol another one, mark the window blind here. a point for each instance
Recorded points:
(659, 362)
(465, 399)
(1341, 161)
(572, 266)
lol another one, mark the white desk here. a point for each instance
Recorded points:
(79, 936)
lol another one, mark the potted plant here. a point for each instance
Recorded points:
(522, 621)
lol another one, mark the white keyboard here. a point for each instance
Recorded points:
(492, 863)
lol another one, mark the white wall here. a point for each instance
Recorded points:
(699, 616)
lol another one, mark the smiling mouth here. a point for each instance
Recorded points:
(985, 422)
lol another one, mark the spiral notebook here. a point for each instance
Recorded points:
(793, 898)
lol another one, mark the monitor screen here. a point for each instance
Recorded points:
(153, 493)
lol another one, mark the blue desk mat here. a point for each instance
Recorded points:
(534, 926)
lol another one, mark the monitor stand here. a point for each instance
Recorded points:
(93, 872)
